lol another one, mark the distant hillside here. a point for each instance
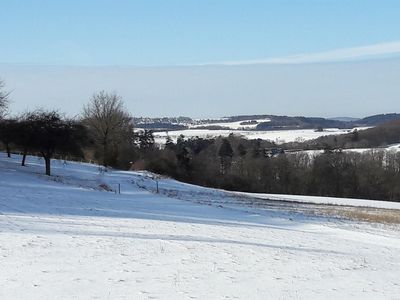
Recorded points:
(379, 136)
(378, 119)
(344, 119)
(159, 126)
(300, 122)
(163, 123)
(274, 123)
(284, 122)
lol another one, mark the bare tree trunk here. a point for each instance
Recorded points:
(47, 162)
(241, 166)
(105, 153)
(24, 157)
(8, 150)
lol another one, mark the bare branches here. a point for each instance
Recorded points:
(108, 121)
(4, 100)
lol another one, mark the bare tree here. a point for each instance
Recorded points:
(24, 135)
(4, 100)
(51, 133)
(7, 133)
(109, 124)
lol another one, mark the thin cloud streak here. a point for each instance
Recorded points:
(344, 54)
(325, 89)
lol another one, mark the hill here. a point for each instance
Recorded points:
(261, 122)
(377, 119)
(344, 119)
(380, 136)
(71, 236)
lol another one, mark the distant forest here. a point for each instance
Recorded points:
(275, 123)
(238, 164)
(104, 133)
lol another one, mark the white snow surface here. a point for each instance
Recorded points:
(393, 148)
(277, 136)
(237, 125)
(62, 237)
(327, 200)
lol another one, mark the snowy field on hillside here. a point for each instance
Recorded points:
(247, 124)
(393, 148)
(277, 136)
(327, 200)
(67, 237)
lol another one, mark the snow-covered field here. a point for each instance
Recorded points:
(278, 136)
(236, 125)
(390, 148)
(64, 237)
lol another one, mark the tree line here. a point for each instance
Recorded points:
(379, 136)
(234, 163)
(104, 133)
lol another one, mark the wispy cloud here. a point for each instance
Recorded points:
(344, 54)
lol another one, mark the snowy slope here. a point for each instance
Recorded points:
(328, 200)
(65, 238)
(238, 125)
(277, 136)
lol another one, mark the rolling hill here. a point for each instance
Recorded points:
(71, 236)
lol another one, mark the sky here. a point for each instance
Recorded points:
(72, 46)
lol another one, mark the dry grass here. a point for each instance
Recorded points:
(375, 215)
(367, 214)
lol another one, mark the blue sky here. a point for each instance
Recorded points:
(204, 58)
(166, 33)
